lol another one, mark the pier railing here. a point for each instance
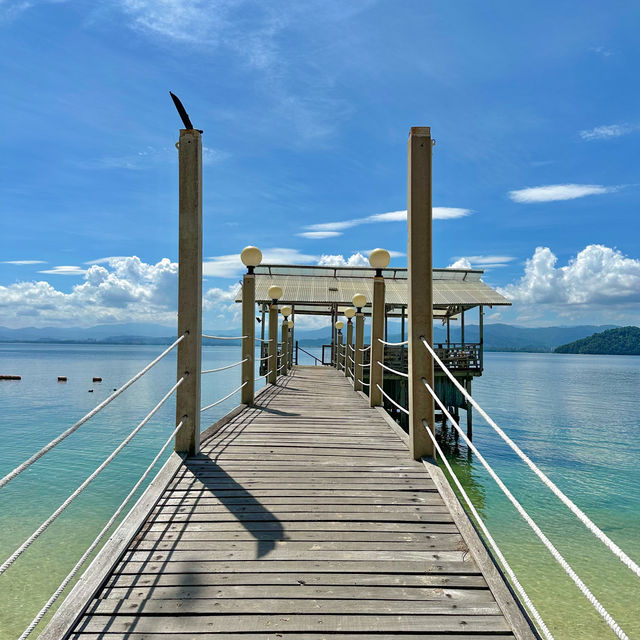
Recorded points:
(423, 358)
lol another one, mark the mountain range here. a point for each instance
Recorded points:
(497, 337)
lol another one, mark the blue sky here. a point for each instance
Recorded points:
(306, 107)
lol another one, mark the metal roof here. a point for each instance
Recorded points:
(317, 289)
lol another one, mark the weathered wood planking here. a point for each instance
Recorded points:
(303, 517)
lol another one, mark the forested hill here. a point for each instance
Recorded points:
(623, 341)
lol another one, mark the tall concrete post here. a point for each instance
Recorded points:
(348, 350)
(420, 288)
(189, 291)
(357, 355)
(248, 343)
(377, 348)
(285, 347)
(273, 343)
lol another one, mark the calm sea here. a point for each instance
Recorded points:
(578, 417)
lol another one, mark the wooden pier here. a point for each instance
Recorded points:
(305, 517)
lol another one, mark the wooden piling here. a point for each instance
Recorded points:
(285, 347)
(377, 348)
(420, 289)
(189, 291)
(347, 349)
(357, 354)
(249, 340)
(273, 344)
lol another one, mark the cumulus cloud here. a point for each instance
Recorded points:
(336, 228)
(597, 276)
(355, 260)
(460, 263)
(604, 132)
(125, 290)
(552, 192)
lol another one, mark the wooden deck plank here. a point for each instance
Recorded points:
(302, 517)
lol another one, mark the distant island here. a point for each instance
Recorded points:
(623, 341)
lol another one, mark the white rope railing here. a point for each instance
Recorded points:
(365, 349)
(351, 359)
(613, 625)
(279, 369)
(494, 546)
(63, 585)
(261, 340)
(224, 337)
(43, 527)
(399, 373)
(229, 366)
(393, 344)
(264, 358)
(213, 404)
(36, 456)
(361, 364)
(391, 400)
(610, 544)
(262, 376)
(366, 384)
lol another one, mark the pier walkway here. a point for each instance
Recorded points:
(302, 517)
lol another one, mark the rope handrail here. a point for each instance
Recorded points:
(361, 364)
(36, 456)
(261, 340)
(265, 358)
(393, 344)
(280, 368)
(588, 523)
(391, 400)
(63, 585)
(44, 526)
(365, 348)
(224, 337)
(213, 404)
(351, 359)
(351, 347)
(366, 384)
(262, 376)
(494, 545)
(229, 366)
(613, 625)
(400, 373)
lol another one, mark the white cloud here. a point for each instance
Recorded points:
(355, 260)
(480, 262)
(230, 266)
(552, 192)
(598, 276)
(24, 262)
(603, 51)
(65, 270)
(439, 213)
(319, 235)
(605, 132)
(125, 290)
(460, 263)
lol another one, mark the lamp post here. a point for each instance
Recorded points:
(359, 301)
(251, 257)
(286, 312)
(348, 314)
(275, 293)
(379, 260)
(339, 326)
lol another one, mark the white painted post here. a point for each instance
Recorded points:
(420, 289)
(189, 291)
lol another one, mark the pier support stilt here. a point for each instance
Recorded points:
(189, 291)
(420, 290)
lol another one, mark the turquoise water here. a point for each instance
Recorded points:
(578, 417)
